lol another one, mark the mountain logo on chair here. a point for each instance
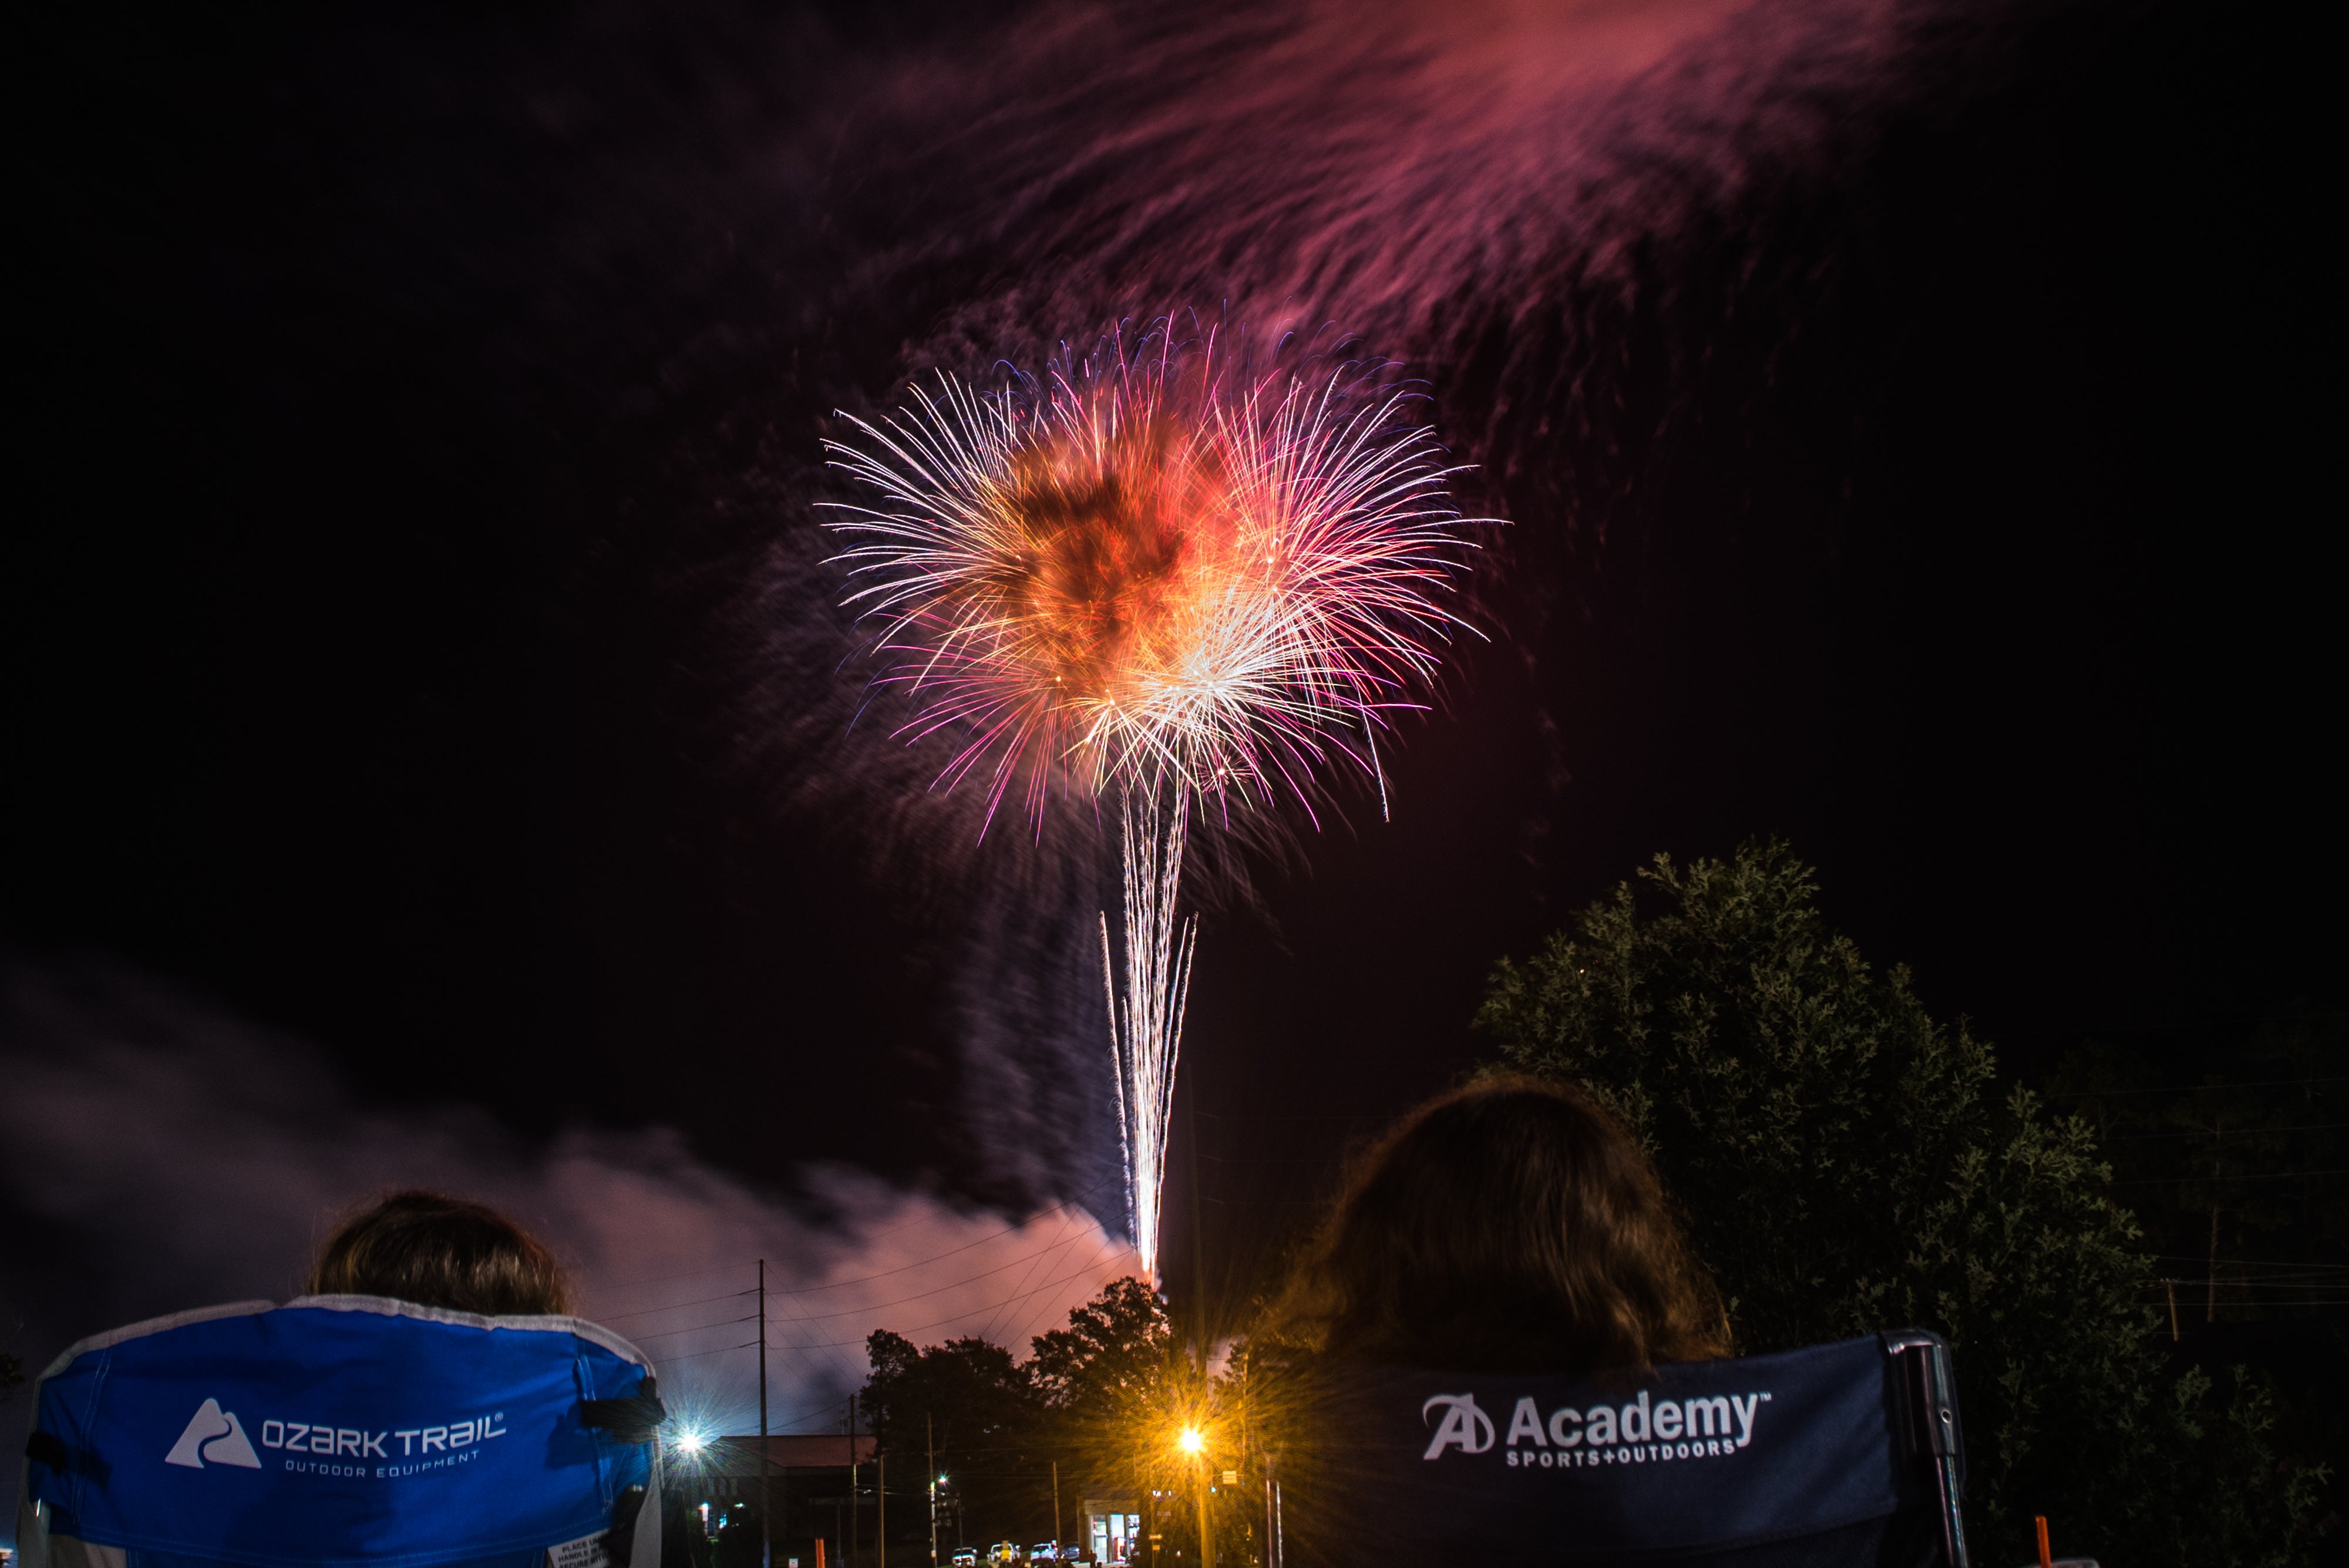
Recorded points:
(213, 1434)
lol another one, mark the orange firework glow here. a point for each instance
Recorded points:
(1152, 575)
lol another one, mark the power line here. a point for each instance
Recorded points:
(1291, 1116)
(864, 1278)
(1100, 1256)
(2186, 1088)
(698, 1354)
(2269, 1176)
(664, 1279)
(1063, 1239)
(721, 1268)
(698, 1328)
(673, 1306)
(2236, 1132)
(901, 1300)
(2246, 1262)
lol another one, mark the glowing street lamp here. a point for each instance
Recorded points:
(1193, 1443)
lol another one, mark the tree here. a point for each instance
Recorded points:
(969, 1405)
(1097, 1397)
(1845, 1167)
(1112, 1361)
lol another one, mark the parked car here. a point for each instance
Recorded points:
(965, 1557)
(1044, 1551)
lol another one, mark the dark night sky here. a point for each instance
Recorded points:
(385, 381)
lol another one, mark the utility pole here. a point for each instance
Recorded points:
(854, 1513)
(930, 1444)
(881, 1497)
(766, 1523)
(2218, 1131)
(1199, 1289)
(1272, 1541)
(1199, 1229)
(1056, 1512)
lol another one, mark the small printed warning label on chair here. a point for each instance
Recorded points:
(587, 1551)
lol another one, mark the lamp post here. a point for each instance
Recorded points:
(1193, 1442)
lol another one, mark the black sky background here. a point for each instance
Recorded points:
(1959, 509)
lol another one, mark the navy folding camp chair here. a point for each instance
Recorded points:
(1846, 1454)
(344, 1430)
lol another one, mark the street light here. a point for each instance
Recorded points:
(1193, 1443)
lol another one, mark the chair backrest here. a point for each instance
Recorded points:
(347, 1429)
(1845, 1453)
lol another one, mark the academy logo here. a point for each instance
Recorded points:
(1646, 1430)
(1464, 1426)
(213, 1434)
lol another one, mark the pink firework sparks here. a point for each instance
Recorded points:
(1153, 575)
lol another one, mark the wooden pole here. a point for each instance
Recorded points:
(2211, 1314)
(1199, 1286)
(881, 1496)
(766, 1525)
(930, 1443)
(2218, 1132)
(854, 1513)
(1206, 1544)
(1272, 1541)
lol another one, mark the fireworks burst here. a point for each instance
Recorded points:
(1145, 574)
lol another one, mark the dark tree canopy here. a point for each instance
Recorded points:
(1113, 1360)
(1844, 1166)
(1091, 1399)
(966, 1394)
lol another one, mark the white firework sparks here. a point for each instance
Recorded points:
(1149, 577)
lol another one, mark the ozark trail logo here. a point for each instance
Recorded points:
(213, 1434)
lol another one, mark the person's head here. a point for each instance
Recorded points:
(1513, 1225)
(443, 1252)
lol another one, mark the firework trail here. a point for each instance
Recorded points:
(1199, 590)
(1146, 1033)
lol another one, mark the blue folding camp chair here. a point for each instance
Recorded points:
(344, 1430)
(1843, 1455)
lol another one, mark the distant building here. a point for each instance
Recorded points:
(1113, 1528)
(737, 1458)
(807, 1491)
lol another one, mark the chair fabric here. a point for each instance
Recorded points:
(1810, 1459)
(344, 1430)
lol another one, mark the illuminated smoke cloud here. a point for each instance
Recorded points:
(156, 1154)
(1391, 169)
